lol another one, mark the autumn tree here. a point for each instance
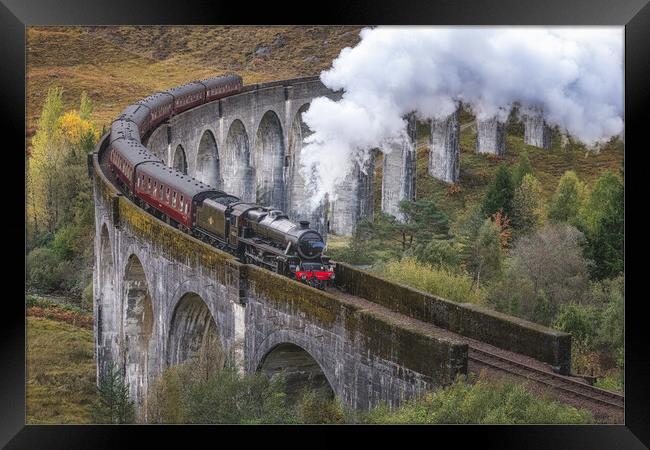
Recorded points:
(59, 195)
(45, 166)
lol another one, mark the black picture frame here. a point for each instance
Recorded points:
(15, 15)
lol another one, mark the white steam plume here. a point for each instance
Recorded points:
(574, 74)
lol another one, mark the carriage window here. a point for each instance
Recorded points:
(149, 183)
(174, 199)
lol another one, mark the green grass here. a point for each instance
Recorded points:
(60, 372)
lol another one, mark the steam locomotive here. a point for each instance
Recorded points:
(256, 234)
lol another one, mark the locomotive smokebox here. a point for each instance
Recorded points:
(304, 224)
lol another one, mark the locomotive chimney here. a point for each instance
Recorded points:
(304, 224)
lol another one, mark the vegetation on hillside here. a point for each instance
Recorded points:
(60, 213)
(537, 234)
(60, 372)
(187, 393)
(117, 65)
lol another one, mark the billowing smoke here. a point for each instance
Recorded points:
(575, 75)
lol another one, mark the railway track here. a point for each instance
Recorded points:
(581, 391)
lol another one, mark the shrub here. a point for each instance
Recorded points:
(64, 242)
(438, 253)
(485, 402)
(579, 320)
(443, 282)
(317, 408)
(46, 271)
(192, 393)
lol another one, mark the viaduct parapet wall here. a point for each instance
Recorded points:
(476, 322)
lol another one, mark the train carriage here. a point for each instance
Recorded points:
(187, 96)
(124, 129)
(171, 192)
(125, 157)
(160, 107)
(219, 87)
(139, 115)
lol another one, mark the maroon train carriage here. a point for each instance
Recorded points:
(171, 192)
(219, 87)
(124, 129)
(139, 115)
(160, 107)
(125, 157)
(187, 96)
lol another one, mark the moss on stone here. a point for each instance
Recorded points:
(501, 330)
(435, 357)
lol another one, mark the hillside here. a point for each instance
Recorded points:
(118, 65)
(60, 372)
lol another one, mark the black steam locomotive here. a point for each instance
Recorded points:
(257, 234)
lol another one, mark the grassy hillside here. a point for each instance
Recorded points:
(60, 372)
(477, 170)
(118, 65)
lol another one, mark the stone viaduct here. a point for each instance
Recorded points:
(160, 296)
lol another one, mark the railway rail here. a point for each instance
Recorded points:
(579, 390)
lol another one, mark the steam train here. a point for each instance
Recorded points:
(256, 234)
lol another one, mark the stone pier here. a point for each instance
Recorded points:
(537, 132)
(354, 200)
(444, 152)
(398, 180)
(490, 137)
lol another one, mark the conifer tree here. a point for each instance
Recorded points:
(499, 194)
(113, 405)
(568, 197)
